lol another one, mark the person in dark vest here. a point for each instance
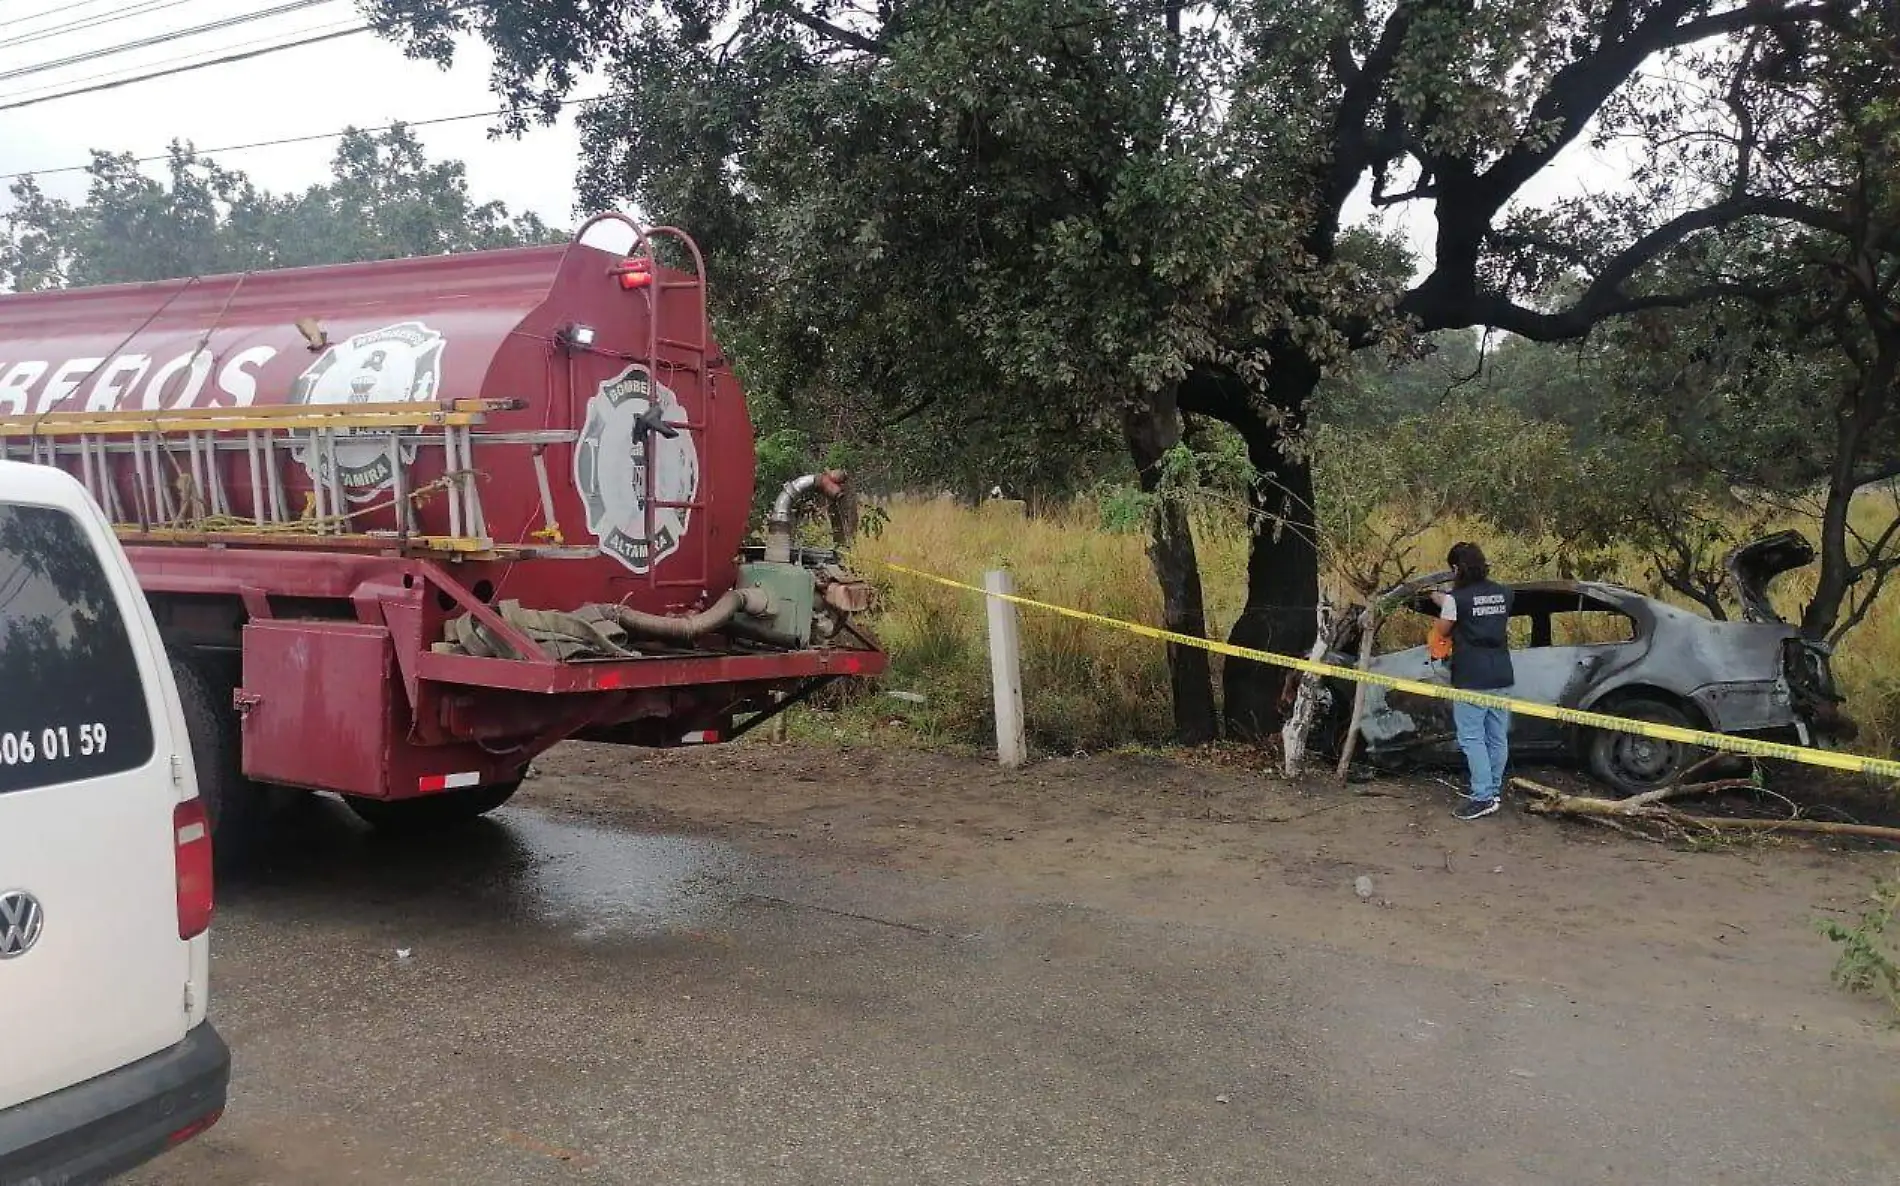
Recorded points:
(1474, 619)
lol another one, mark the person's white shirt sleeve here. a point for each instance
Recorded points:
(1448, 609)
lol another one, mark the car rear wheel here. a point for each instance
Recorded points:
(1633, 764)
(428, 813)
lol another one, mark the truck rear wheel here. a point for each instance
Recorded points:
(235, 806)
(428, 813)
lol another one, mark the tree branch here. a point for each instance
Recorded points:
(1574, 254)
(1500, 312)
(1470, 199)
(836, 33)
(1216, 392)
(1747, 16)
(907, 413)
(1878, 558)
(1444, 300)
(1865, 601)
(1345, 66)
(1351, 136)
(1882, 473)
(1575, 94)
(1381, 199)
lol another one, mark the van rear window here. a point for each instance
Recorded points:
(71, 702)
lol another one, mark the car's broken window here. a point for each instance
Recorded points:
(1540, 617)
(1522, 629)
(1595, 625)
(1402, 630)
(1567, 618)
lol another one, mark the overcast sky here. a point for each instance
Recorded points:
(360, 80)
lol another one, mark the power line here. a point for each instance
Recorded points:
(41, 92)
(230, 148)
(167, 73)
(37, 89)
(141, 9)
(163, 38)
(57, 9)
(91, 22)
(129, 74)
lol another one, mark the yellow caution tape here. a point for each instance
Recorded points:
(1753, 747)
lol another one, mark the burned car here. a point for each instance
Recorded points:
(1601, 647)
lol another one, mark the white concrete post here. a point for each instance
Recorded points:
(1006, 669)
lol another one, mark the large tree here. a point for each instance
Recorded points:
(1783, 394)
(1834, 101)
(1111, 212)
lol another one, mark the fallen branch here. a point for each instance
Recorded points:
(1676, 790)
(1616, 826)
(1812, 827)
(1649, 808)
(1311, 696)
(1368, 633)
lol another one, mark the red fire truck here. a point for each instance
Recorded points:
(405, 525)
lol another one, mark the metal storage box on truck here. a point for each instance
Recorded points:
(424, 518)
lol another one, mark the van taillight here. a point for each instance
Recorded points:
(191, 845)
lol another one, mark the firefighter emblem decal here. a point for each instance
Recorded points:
(399, 363)
(618, 444)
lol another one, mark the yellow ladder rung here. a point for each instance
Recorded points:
(281, 536)
(292, 417)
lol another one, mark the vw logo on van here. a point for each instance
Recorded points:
(21, 920)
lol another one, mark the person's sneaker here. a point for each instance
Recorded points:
(1476, 809)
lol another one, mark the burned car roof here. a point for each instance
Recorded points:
(1555, 590)
(1533, 598)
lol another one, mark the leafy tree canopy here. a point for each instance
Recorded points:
(385, 200)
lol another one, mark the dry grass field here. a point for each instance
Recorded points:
(1089, 689)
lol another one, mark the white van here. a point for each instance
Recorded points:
(106, 1059)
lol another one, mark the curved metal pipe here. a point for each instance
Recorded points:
(719, 613)
(778, 525)
(759, 632)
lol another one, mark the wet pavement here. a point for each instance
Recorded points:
(547, 1000)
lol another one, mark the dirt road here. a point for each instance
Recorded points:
(775, 964)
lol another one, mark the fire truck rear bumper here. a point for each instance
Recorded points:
(673, 671)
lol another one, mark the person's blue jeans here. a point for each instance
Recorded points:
(1484, 734)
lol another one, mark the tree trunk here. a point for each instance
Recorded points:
(1283, 554)
(1835, 579)
(1282, 596)
(1150, 430)
(1282, 563)
(1839, 571)
(845, 513)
